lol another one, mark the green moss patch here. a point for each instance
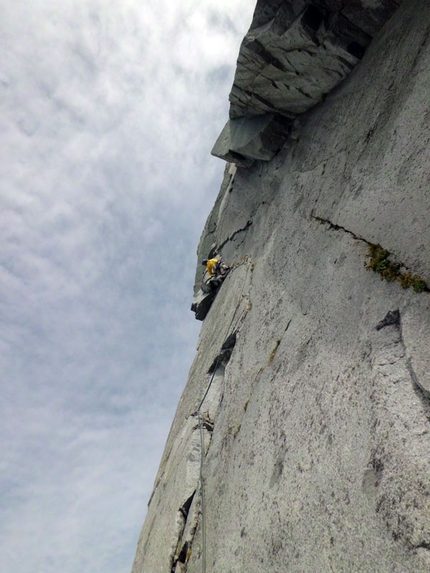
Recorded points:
(390, 270)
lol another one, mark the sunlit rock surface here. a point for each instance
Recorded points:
(315, 428)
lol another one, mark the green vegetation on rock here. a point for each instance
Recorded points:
(391, 270)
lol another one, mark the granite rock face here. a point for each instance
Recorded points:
(314, 430)
(294, 54)
(245, 139)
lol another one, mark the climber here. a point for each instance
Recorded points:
(216, 272)
(215, 267)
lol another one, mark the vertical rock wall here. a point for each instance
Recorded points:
(315, 429)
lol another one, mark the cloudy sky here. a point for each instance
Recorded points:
(108, 112)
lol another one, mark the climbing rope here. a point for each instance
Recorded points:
(230, 331)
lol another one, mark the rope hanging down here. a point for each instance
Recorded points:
(200, 420)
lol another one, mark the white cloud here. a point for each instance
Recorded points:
(107, 116)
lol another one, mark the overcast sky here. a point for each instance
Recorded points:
(108, 112)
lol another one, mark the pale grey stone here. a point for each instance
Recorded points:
(244, 140)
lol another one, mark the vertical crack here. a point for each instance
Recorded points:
(182, 552)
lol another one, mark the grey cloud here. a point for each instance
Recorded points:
(109, 111)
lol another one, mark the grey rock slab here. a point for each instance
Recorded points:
(381, 160)
(245, 140)
(402, 441)
(318, 460)
(177, 481)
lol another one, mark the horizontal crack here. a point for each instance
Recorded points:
(381, 262)
(339, 228)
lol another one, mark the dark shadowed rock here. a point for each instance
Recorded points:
(287, 65)
(206, 294)
(244, 140)
(201, 303)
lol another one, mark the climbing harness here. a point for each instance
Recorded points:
(230, 331)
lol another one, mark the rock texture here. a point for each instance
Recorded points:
(294, 54)
(316, 422)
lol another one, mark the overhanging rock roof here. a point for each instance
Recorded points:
(294, 54)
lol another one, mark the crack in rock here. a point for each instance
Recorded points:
(393, 318)
(186, 537)
(338, 228)
(181, 554)
(224, 356)
(245, 228)
(186, 506)
(415, 333)
(382, 262)
(422, 393)
(399, 419)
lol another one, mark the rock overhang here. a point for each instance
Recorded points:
(293, 56)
